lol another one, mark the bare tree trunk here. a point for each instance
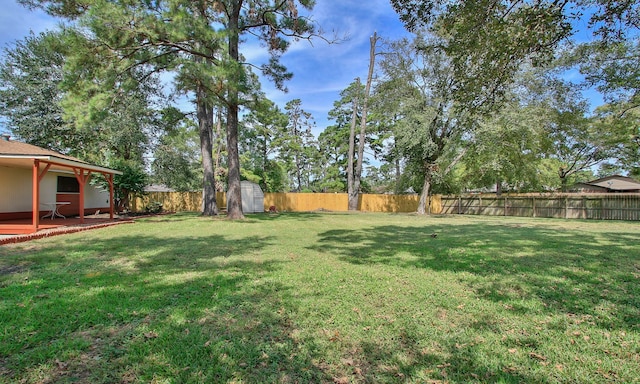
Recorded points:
(351, 191)
(205, 127)
(424, 204)
(563, 173)
(296, 136)
(204, 111)
(564, 184)
(218, 151)
(398, 174)
(234, 192)
(363, 121)
(298, 174)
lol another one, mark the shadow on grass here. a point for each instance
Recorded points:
(150, 309)
(464, 363)
(287, 216)
(573, 272)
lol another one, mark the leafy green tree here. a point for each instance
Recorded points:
(547, 175)
(340, 140)
(613, 68)
(261, 139)
(609, 62)
(574, 143)
(31, 73)
(387, 113)
(505, 149)
(200, 40)
(332, 143)
(419, 81)
(487, 41)
(571, 137)
(72, 121)
(177, 154)
(546, 124)
(130, 184)
(341, 145)
(142, 35)
(381, 179)
(272, 21)
(623, 125)
(122, 131)
(300, 147)
(116, 113)
(275, 176)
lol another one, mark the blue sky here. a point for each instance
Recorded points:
(320, 70)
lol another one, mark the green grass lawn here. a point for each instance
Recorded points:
(344, 298)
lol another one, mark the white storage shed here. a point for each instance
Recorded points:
(252, 197)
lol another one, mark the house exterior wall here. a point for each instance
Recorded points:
(16, 191)
(95, 196)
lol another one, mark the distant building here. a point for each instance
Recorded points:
(158, 188)
(609, 184)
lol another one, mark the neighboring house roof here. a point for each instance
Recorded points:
(18, 154)
(614, 183)
(586, 187)
(158, 188)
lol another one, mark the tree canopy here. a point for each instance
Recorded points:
(478, 98)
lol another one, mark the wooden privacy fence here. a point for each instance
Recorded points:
(569, 206)
(305, 202)
(396, 203)
(291, 202)
(174, 201)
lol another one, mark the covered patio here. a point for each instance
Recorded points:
(66, 222)
(60, 226)
(18, 158)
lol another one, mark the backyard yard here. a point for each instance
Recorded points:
(325, 298)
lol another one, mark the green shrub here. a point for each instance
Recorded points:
(153, 207)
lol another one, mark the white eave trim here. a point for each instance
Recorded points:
(65, 162)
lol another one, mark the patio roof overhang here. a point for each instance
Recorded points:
(40, 164)
(57, 163)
